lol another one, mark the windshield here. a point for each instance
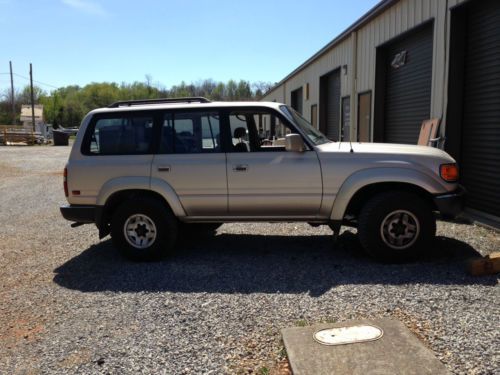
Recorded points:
(312, 133)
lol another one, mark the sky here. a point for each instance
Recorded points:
(82, 41)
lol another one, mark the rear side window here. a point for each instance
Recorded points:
(120, 135)
(190, 133)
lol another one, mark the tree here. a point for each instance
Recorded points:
(243, 92)
(25, 97)
(218, 92)
(230, 92)
(68, 105)
(260, 88)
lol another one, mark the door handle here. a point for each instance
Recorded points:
(164, 168)
(240, 168)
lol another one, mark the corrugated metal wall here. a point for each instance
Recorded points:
(400, 17)
(480, 158)
(341, 55)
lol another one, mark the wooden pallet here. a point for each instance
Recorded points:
(488, 265)
(10, 136)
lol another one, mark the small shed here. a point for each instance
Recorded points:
(26, 115)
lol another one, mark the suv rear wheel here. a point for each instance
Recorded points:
(396, 226)
(143, 229)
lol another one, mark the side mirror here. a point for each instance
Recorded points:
(294, 143)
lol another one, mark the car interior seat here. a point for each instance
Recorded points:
(242, 145)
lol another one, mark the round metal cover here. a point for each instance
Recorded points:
(348, 335)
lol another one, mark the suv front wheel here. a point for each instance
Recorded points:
(396, 226)
(143, 229)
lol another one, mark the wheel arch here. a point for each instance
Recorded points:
(362, 196)
(113, 193)
(362, 185)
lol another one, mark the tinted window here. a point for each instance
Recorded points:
(190, 133)
(121, 135)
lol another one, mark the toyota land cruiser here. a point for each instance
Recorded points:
(145, 171)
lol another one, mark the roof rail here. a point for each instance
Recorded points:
(190, 99)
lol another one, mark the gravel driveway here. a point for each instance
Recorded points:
(70, 304)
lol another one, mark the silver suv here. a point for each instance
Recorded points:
(146, 171)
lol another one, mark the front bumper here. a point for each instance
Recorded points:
(82, 214)
(450, 204)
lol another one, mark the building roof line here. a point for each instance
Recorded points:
(364, 19)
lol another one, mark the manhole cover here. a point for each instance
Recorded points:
(348, 335)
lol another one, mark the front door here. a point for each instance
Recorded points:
(264, 180)
(191, 161)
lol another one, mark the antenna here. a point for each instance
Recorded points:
(350, 144)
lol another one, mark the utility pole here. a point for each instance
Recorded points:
(32, 98)
(12, 95)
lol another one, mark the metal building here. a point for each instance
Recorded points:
(406, 61)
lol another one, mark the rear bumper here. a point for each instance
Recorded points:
(82, 214)
(450, 204)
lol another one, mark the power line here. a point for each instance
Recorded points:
(40, 83)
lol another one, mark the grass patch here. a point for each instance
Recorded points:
(301, 323)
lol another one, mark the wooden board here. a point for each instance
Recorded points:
(488, 265)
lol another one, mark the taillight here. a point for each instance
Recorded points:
(66, 182)
(449, 172)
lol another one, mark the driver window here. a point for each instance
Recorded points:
(272, 132)
(257, 131)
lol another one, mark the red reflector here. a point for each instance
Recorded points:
(65, 182)
(75, 192)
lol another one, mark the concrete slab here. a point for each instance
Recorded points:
(398, 351)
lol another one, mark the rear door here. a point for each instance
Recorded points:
(191, 161)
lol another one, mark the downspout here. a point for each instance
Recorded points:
(447, 34)
(354, 100)
(284, 93)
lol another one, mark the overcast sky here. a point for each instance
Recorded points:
(82, 41)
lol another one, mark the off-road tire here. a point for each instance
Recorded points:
(159, 214)
(379, 210)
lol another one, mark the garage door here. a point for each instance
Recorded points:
(408, 67)
(296, 100)
(480, 153)
(330, 104)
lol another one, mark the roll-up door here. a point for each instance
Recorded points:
(480, 151)
(408, 67)
(297, 100)
(330, 104)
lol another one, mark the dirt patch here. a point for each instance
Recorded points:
(76, 358)
(7, 170)
(258, 355)
(281, 368)
(20, 330)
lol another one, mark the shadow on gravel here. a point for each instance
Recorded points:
(251, 263)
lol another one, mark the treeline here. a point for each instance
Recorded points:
(67, 106)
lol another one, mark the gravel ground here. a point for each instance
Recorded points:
(70, 304)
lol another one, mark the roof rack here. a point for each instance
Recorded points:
(190, 99)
